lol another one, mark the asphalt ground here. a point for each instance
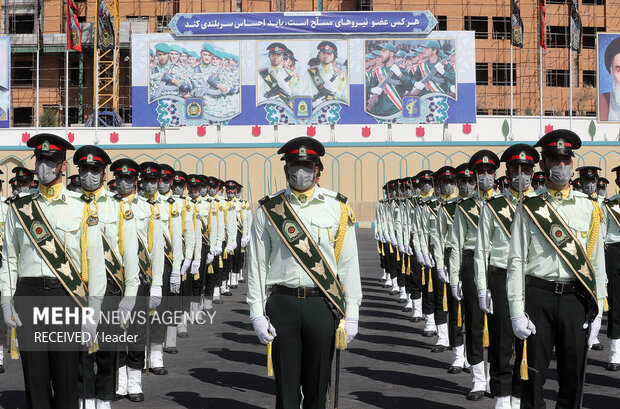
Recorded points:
(388, 365)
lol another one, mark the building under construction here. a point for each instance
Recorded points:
(489, 20)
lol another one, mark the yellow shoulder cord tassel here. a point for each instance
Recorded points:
(391, 249)
(430, 281)
(196, 211)
(170, 221)
(342, 230)
(409, 265)
(423, 276)
(397, 255)
(183, 214)
(597, 217)
(341, 336)
(403, 269)
(605, 304)
(459, 318)
(84, 243)
(221, 263)
(378, 248)
(524, 371)
(445, 297)
(269, 360)
(485, 332)
(121, 222)
(13, 344)
(151, 228)
(383, 249)
(210, 269)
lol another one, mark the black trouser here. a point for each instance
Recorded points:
(501, 337)
(455, 332)
(394, 265)
(473, 316)
(401, 277)
(133, 354)
(414, 286)
(382, 261)
(302, 350)
(225, 270)
(559, 323)
(186, 289)
(102, 384)
(428, 292)
(168, 303)
(2, 327)
(612, 257)
(199, 283)
(237, 256)
(50, 369)
(440, 290)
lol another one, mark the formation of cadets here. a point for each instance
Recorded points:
(177, 247)
(514, 267)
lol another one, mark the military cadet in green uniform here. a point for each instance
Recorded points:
(44, 260)
(490, 263)
(433, 75)
(483, 163)
(466, 184)
(242, 233)
(388, 83)
(230, 244)
(206, 80)
(556, 276)
(611, 209)
(245, 222)
(276, 81)
(303, 245)
(207, 226)
(216, 227)
(325, 82)
(121, 268)
(158, 85)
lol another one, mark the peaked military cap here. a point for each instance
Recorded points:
(521, 153)
(23, 173)
(112, 184)
(75, 179)
(125, 166)
(602, 182)
(434, 44)
(588, 171)
(302, 148)
(483, 157)
(194, 180)
(49, 144)
(166, 171)
(576, 182)
(208, 47)
(616, 169)
(177, 48)
(388, 46)
(150, 168)
(539, 176)
(503, 181)
(463, 171)
(277, 48)
(12, 182)
(163, 47)
(424, 175)
(401, 53)
(446, 172)
(91, 155)
(232, 184)
(559, 142)
(327, 46)
(180, 177)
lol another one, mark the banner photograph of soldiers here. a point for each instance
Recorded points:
(608, 77)
(205, 71)
(315, 70)
(397, 70)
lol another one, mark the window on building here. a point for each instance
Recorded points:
(364, 5)
(594, 2)
(557, 37)
(22, 116)
(442, 23)
(501, 28)
(74, 73)
(137, 18)
(21, 23)
(125, 113)
(23, 73)
(558, 78)
(501, 73)
(553, 113)
(588, 39)
(81, 20)
(556, 1)
(162, 24)
(479, 24)
(589, 78)
(501, 111)
(73, 116)
(482, 111)
(482, 73)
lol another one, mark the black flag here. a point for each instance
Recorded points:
(575, 27)
(39, 24)
(516, 24)
(105, 29)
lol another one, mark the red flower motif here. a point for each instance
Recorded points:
(25, 137)
(366, 131)
(419, 131)
(71, 137)
(201, 131)
(311, 131)
(291, 229)
(157, 137)
(256, 130)
(548, 128)
(114, 137)
(466, 129)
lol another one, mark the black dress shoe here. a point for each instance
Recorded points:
(218, 301)
(136, 397)
(429, 334)
(2, 370)
(475, 395)
(613, 367)
(402, 300)
(455, 370)
(241, 280)
(394, 292)
(407, 309)
(234, 286)
(227, 294)
(159, 371)
(439, 348)
(171, 350)
(416, 319)
(118, 397)
(598, 347)
(183, 335)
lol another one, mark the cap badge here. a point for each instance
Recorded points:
(302, 151)
(45, 146)
(148, 170)
(522, 155)
(448, 172)
(89, 158)
(485, 159)
(124, 169)
(21, 173)
(560, 144)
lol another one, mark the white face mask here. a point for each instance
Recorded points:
(238, 195)
(149, 187)
(426, 187)
(589, 187)
(212, 191)
(46, 170)
(601, 192)
(300, 177)
(519, 182)
(177, 190)
(90, 180)
(124, 186)
(447, 189)
(485, 182)
(195, 194)
(164, 187)
(466, 188)
(560, 175)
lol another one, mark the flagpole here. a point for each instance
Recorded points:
(67, 89)
(511, 137)
(570, 88)
(96, 73)
(39, 36)
(541, 89)
(37, 108)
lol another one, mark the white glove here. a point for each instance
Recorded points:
(185, 266)
(125, 307)
(427, 261)
(440, 69)
(11, 319)
(383, 239)
(443, 277)
(376, 90)
(234, 245)
(455, 292)
(401, 248)
(596, 327)
(217, 250)
(263, 329)
(284, 87)
(229, 248)
(419, 86)
(330, 87)
(155, 298)
(393, 241)
(408, 250)
(396, 70)
(522, 326)
(245, 240)
(419, 257)
(175, 281)
(485, 302)
(195, 267)
(350, 327)
(210, 258)
(430, 258)
(89, 331)
(376, 236)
